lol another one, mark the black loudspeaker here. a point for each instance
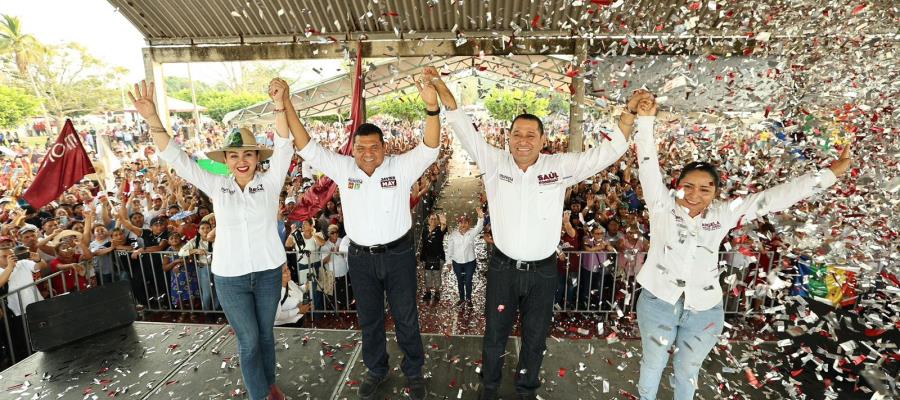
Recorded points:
(77, 315)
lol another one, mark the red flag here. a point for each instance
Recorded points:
(315, 198)
(64, 165)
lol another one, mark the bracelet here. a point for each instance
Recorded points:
(160, 129)
(433, 113)
(278, 110)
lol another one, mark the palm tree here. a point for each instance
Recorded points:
(25, 48)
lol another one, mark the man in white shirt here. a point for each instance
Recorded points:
(18, 274)
(525, 191)
(461, 252)
(375, 193)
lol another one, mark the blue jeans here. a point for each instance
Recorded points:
(693, 333)
(464, 273)
(250, 302)
(207, 299)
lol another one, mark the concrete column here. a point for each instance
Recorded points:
(153, 72)
(576, 109)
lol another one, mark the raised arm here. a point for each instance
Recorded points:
(301, 137)
(143, 100)
(787, 194)
(655, 191)
(484, 154)
(123, 219)
(428, 93)
(283, 150)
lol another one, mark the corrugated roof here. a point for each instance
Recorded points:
(167, 22)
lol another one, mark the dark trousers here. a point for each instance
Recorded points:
(531, 293)
(393, 272)
(464, 274)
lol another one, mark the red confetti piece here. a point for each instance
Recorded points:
(751, 377)
(562, 372)
(695, 6)
(712, 57)
(500, 308)
(338, 367)
(353, 383)
(390, 14)
(796, 373)
(858, 9)
(601, 2)
(536, 22)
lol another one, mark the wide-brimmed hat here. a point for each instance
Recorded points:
(239, 140)
(68, 233)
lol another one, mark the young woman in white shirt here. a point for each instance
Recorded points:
(461, 253)
(680, 303)
(248, 254)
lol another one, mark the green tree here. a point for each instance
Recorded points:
(24, 48)
(407, 107)
(219, 103)
(73, 82)
(15, 106)
(506, 104)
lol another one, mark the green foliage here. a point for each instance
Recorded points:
(72, 82)
(15, 106)
(559, 103)
(326, 119)
(506, 104)
(219, 103)
(407, 107)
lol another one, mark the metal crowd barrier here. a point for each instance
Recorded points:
(604, 282)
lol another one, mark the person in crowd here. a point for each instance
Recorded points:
(17, 280)
(291, 306)
(567, 263)
(248, 255)
(72, 249)
(432, 255)
(334, 263)
(200, 248)
(680, 304)
(461, 254)
(597, 266)
(307, 243)
(525, 191)
(375, 193)
(182, 271)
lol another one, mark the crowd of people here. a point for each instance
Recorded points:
(157, 228)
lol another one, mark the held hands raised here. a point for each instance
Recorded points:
(278, 91)
(427, 89)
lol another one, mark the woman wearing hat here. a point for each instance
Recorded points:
(247, 255)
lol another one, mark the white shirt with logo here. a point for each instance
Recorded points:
(684, 251)
(246, 230)
(461, 246)
(526, 207)
(376, 208)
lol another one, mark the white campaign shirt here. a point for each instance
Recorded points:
(526, 207)
(461, 246)
(684, 251)
(246, 230)
(337, 262)
(376, 208)
(288, 312)
(22, 276)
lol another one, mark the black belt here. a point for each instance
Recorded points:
(380, 248)
(521, 265)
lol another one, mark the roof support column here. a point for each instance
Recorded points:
(576, 106)
(153, 72)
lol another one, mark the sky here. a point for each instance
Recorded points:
(107, 35)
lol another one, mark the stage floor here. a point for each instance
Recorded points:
(188, 361)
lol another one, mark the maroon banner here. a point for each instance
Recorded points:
(64, 165)
(321, 192)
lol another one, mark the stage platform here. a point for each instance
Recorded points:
(189, 361)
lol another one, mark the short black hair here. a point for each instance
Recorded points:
(528, 117)
(366, 129)
(700, 166)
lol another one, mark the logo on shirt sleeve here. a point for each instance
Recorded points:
(388, 182)
(354, 183)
